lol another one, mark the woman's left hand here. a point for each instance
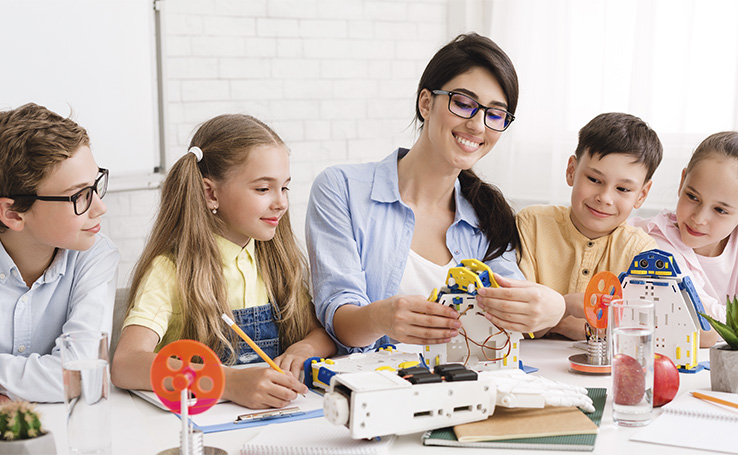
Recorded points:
(521, 306)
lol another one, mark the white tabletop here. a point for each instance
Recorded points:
(139, 427)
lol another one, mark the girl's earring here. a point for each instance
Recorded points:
(215, 210)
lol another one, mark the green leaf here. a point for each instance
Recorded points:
(731, 319)
(724, 331)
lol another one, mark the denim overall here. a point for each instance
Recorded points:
(260, 325)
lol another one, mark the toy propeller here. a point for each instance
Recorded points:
(206, 381)
(601, 290)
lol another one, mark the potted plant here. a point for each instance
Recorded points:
(724, 356)
(21, 431)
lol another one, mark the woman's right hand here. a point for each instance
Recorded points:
(413, 319)
(261, 387)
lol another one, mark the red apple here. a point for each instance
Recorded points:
(665, 380)
(628, 380)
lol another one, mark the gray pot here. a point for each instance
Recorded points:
(723, 368)
(41, 445)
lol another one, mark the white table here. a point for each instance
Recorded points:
(139, 427)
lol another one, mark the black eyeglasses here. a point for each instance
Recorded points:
(82, 199)
(466, 107)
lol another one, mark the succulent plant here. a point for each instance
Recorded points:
(729, 330)
(19, 420)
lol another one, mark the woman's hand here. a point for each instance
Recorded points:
(413, 319)
(521, 306)
(406, 318)
(259, 388)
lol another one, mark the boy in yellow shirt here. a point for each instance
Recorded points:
(610, 175)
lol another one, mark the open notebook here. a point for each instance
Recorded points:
(690, 422)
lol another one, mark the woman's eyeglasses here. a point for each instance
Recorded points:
(82, 199)
(465, 107)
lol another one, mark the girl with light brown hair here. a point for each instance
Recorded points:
(222, 243)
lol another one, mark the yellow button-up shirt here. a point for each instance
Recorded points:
(158, 302)
(554, 253)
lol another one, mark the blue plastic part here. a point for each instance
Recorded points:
(695, 299)
(641, 282)
(484, 278)
(700, 366)
(651, 257)
(525, 368)
(458, 300)
(661, 283)
(325, 375)
(307, 367)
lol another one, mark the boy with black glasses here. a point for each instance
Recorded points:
(57, 271)
(609, 175)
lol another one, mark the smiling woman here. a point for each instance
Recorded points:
(382, 235)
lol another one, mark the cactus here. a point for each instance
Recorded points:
(19, 420)
(729, 330)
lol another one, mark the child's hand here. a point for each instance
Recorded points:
(521, 306)
(575, 304)
(413, 319)
(294, 357)
(259, 388)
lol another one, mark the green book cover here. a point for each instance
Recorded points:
(584, 442)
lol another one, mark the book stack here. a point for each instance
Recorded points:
(550, 428)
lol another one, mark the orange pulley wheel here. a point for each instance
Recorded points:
(205, 380)
(601, 290)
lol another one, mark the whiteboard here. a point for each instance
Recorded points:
(93, 59)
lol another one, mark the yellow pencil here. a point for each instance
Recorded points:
(702, 396)
(251, 343)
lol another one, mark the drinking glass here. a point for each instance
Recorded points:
(84, 357)
(631, 343)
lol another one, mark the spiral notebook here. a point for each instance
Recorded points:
(690, 422)
(317, 436)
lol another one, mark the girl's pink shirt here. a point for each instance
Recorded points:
(711, 289)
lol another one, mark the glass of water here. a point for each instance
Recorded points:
(630, 334)
(84, 357)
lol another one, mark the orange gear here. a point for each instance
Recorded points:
(206, 383)
(601, 290)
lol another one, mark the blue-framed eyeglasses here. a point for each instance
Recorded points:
(466, 107)
(82, 199)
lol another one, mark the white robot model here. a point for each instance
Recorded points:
(480, 344)
(379, 403)
(655, 275)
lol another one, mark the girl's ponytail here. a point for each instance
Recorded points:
(496, 217)
(183, 233)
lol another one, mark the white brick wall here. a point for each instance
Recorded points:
(335, 78)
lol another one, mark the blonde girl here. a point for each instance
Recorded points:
(701, 233)
(222, 243)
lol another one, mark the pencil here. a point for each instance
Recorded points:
(702, 396)
(250, 342)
